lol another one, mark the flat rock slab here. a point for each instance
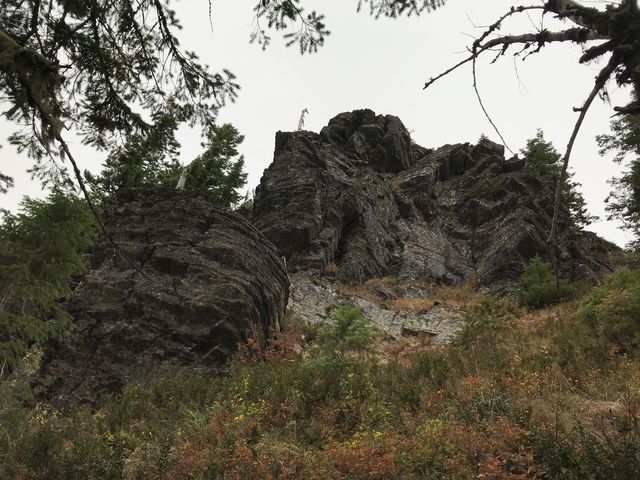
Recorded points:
(313, 299)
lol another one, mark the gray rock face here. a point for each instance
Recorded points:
(359, 195)
(209, 281)
(312, 299)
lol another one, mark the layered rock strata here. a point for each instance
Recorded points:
(362, 198)
(204, 281)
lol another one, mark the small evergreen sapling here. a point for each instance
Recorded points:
(347, 332)
(538, 284)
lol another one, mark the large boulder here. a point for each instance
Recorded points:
(204, 281)
(361, 196)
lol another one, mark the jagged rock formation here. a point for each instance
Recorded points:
(208, 280)
(362, 196)
(359, 197)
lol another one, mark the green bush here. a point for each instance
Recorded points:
(538, 285)
(613, 309)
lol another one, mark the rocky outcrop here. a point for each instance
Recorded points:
(206, 280)
(362, 196)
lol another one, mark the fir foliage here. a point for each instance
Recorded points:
(348, 331)
(99, 67)
(6, 182)
(218, 173)
(623, 203)
(545, 162)
(538, 284)
(41, 248)
(151, 159)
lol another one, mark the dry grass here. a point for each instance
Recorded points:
(359, 291)
(388, 281)
(331, 269)
(458, 296)
(422, 304)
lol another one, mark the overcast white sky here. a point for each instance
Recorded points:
(383, 65)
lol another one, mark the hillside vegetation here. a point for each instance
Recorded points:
(549, 393)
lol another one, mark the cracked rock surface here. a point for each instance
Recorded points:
(208, 280)
(362, 198)
(313, 299)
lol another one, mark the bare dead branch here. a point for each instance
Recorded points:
(578, 35)
(484, 110)
(596, 51)
(600, 82)
(496, 25)
(588, 17)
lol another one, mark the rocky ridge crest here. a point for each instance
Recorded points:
(351, 205)
(362, 198)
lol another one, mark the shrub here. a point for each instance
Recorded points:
(480, 350)
(484, 323)
(604, 449)
(538, 285)
(613, 310)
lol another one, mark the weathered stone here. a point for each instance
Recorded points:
(381, 291)
(313, 299)
(514, 164)
(440, 324)
(207, 281)
(361, 196)
(381, 141)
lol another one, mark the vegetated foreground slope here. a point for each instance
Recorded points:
(543, 395)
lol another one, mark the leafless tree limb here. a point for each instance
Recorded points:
(578, 35)
(600, 82)
(484, 110)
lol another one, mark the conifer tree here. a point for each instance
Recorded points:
(623, 203)
(545, 162)
(151, 159)
(41, 248)
(218, 173)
